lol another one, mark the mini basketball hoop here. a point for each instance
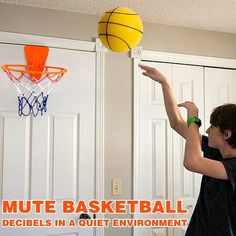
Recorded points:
(33, 81)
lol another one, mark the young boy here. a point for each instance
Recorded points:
(215, 211)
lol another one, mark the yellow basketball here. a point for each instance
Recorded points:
(120, 29)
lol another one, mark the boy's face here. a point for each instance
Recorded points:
(215, 137)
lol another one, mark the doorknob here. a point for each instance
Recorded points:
(189, 206)
(84, 216)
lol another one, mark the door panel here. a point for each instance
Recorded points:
(15, 157)
(220, 89)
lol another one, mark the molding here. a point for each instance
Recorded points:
(136, 164)
(137, 52)
(100, 47)
(188, 59)
(23, 39)
(2, 119)
(99, 146)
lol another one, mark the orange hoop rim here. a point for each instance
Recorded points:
(11, 67)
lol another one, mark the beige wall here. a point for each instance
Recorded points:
(119, 85)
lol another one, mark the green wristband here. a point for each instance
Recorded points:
(194, 119)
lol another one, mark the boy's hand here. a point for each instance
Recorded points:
(191, 108)
(153, 73)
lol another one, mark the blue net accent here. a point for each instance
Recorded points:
(34, 104)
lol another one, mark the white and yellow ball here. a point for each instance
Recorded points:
(120, 29)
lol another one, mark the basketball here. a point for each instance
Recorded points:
(120, 29)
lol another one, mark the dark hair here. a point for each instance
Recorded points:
(224, 117)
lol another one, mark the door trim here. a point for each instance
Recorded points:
(99, 50)
(139, 55)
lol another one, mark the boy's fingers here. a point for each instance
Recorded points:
(181, 105)
(185, 105)
(145, 67)
(142, 66)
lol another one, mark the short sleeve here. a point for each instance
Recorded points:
(208, 152)
(230, 167)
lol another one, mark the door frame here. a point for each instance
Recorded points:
(99, 50)
(139, 55)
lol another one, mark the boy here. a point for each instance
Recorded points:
(215, 211)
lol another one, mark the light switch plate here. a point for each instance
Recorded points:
(116, 187)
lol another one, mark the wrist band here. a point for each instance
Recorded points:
(194, 119)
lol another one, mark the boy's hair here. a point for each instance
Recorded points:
(224, 117)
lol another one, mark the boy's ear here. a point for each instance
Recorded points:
(227, 133)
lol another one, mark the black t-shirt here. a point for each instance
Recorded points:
(215, 211)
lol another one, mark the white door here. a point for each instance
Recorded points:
(220, 87)
(50, 156)
(154, 149)
(160, 173)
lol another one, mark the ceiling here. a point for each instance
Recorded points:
(214, 15)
